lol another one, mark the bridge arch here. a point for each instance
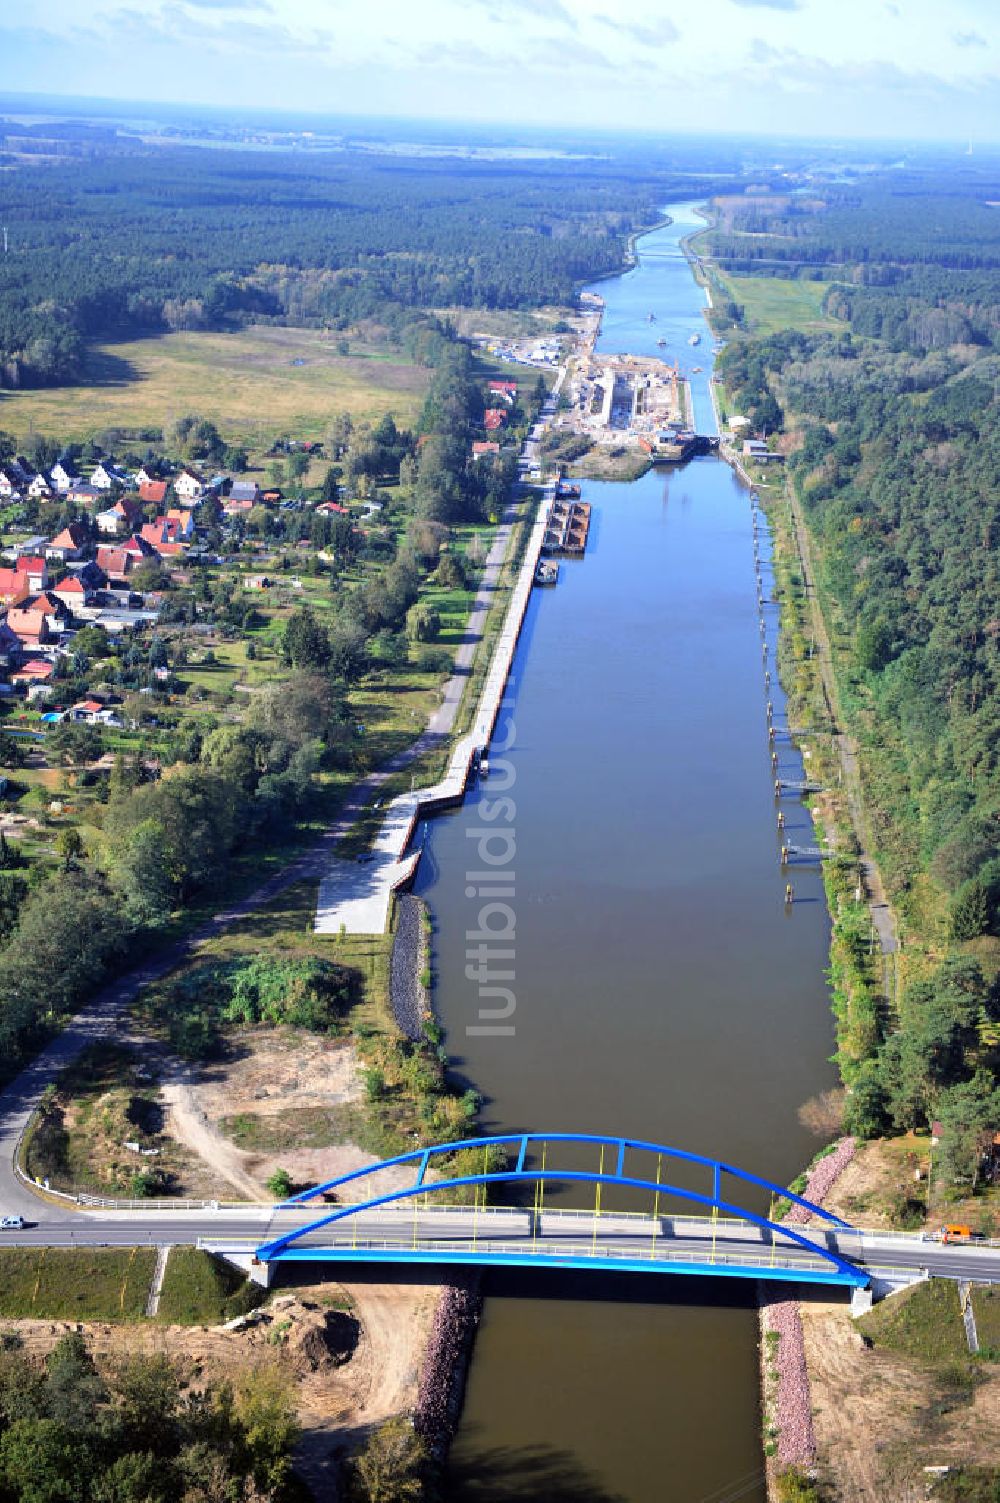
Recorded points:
(422, 1158)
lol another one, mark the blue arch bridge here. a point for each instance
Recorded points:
(695, 1218)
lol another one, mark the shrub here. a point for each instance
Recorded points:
(307, 993)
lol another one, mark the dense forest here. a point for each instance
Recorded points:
(187, 238)
(891, 428)
(137, 1431)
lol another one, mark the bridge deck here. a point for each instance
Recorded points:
(725, 1246)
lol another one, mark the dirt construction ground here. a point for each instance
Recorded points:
(880, 1417)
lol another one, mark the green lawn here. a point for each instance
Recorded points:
(75, 1283)
(986, 1308)
(774, 303)
(923, 1322)
(198, 1290)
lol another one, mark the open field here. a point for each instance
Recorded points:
(249, 383)
(774, 303)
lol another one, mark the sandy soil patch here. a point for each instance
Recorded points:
(879, 1417)
(865, 1405)
(268, 1072)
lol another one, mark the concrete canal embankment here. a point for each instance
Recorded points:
(356, 896)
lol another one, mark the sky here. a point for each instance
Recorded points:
(924, 69)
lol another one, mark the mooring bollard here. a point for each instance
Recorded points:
(781, 819)
(789, 894)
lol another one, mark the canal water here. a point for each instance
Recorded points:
(662, 989)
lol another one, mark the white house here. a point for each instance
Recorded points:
(39, 489)
(63, 478)
(107, 475)
(189, 485)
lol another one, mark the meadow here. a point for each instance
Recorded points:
(775, 303)
(254, 384)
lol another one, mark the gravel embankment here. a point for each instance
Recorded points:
(792, 1408)
(405, 990)
(822, 1177)
(446, 1360)
(787, 1397)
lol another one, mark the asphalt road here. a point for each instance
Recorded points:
(452, 1230)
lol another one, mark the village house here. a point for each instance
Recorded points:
(34, 676)
(256, 582)
(57, 614)
(34, 570)
(245, 490)
(107, 475)
(505, 390)
(11, 484)
(92, 712)
(481, 448)
(10, 649)
(70, 543)
(494, 418)
(62, 477)
(72, 591)
(115, 563)
(331, 509)
(30, 626)
(85, 494)
(147, 474)
(41, 488)
(181, 524)
(189, 486)
(13, 586)
(120, 518)
(756, 448)
(153, 492)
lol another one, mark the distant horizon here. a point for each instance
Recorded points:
(65, 106)
(879, 70)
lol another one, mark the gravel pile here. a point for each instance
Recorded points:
(405, 990)
(822, 1177)
(442, 1377)
(792, 1406)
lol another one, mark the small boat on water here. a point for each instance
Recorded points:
(651, 318)
(662, 343)
(694, 339)
(546, 573)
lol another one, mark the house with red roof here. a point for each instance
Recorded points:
(494, 418)
(34, 570)
(122, 517)
(13, 586)
(30, 625)
(331, 509)
(116, 563)
(70, 543)
(34, 675)
(181, 524)
(153, 492)
(72, 591)
(505, 390)
(481, 448)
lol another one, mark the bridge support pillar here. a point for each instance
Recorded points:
(261, 1273)
(861, 1301)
